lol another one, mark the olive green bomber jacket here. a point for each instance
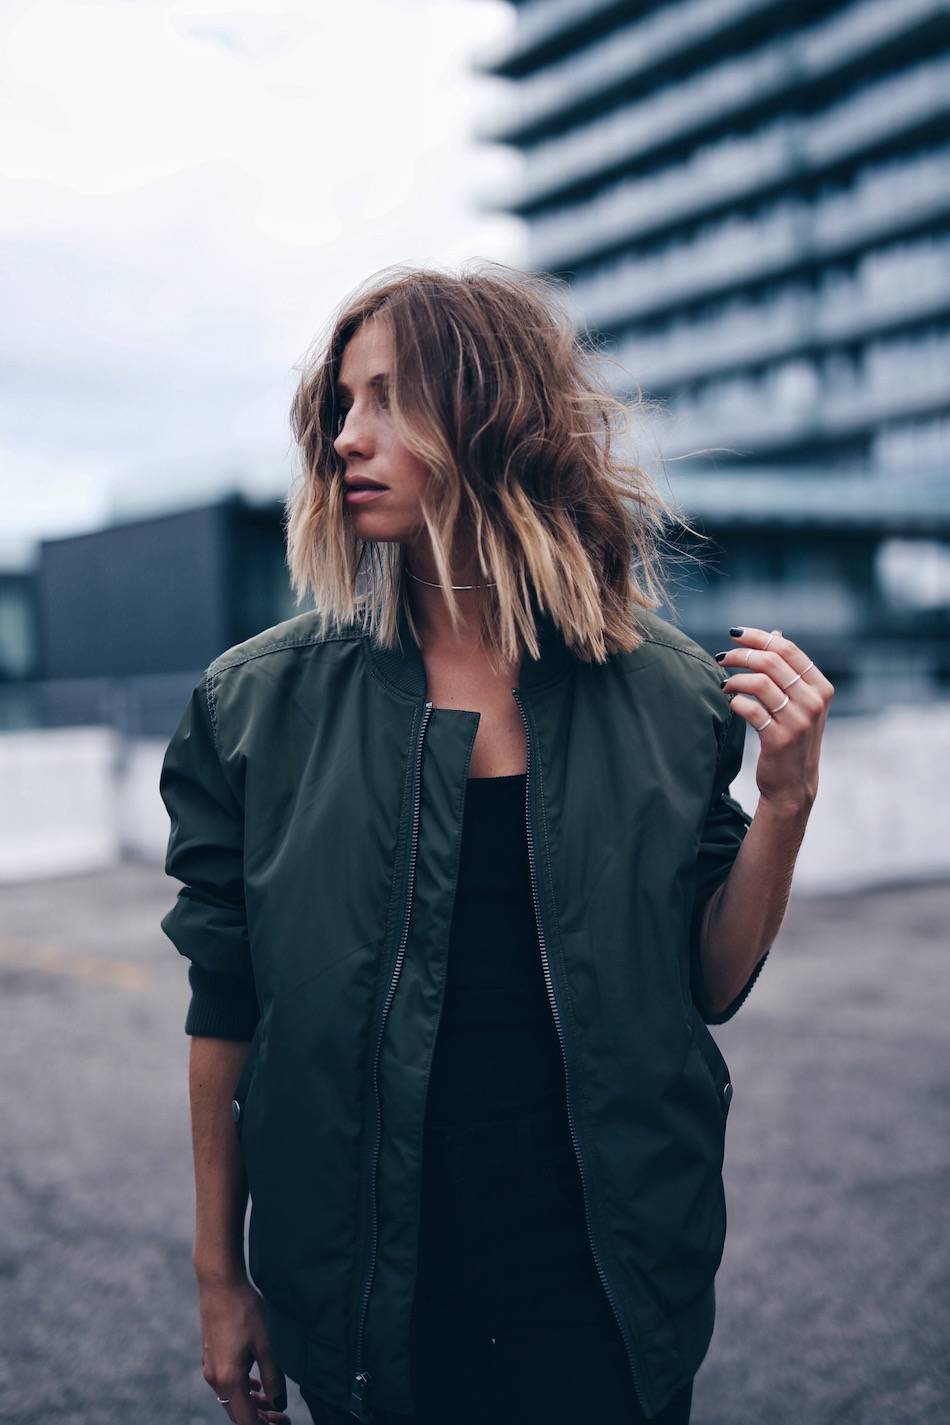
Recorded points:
(315, 798)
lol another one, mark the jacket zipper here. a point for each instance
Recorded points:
(361, 1378)
(549, 984)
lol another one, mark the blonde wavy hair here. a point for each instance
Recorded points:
(514, 420)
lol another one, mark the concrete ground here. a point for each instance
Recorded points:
(834, 1292)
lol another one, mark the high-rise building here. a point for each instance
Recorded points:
(751, 203)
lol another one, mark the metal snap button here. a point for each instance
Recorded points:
(235, 1109)
(727, 1094)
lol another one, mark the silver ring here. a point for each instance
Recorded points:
(223, 1399)
(769, 639)
(780, 706)
(748, 654)
(762, 726)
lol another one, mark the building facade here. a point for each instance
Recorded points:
(126, 617)
(750, 202)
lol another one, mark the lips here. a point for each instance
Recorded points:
(362, 492)
(362, 483)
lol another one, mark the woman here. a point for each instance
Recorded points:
(463, 887)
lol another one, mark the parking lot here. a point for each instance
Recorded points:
(834, 1293)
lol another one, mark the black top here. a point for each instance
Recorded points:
(497, 1053)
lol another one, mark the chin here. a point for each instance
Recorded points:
(371, 524)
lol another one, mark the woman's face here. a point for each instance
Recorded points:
(368, 444)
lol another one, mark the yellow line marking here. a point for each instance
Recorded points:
(29, 955)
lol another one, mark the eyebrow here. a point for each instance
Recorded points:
(378, 380)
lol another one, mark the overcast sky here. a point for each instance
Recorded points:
(186, 191)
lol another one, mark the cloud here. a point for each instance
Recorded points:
(186, 191)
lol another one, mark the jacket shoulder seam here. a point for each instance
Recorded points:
(211, 705)
(702, 658)
(282, 647)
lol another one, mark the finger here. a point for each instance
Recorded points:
(764, 674)
(224, 1402)
(790, 672)
(273, 1381)
(241, 1407)
(266, 1409)
(758, 685)
(765, 652)
(760, 637)
(803, 669)
(761, 698)
(225, 1395)
(753, 712)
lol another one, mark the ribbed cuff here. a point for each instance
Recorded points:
(222, 1006)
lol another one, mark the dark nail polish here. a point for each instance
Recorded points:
(720, 656)
(737, 632)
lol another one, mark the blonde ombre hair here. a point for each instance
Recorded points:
(509, 411)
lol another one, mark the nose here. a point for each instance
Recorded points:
(353, 438)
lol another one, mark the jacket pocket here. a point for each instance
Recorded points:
(712, 1057)
(248, 1074)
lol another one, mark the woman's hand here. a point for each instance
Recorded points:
(774, 678)
(233, 1335)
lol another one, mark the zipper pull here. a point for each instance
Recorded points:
(360, 1384)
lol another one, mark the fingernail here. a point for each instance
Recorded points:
(737, 632)
(720, 656)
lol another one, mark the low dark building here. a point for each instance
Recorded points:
(19, 637)
(128, 615)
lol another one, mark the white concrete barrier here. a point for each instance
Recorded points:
(57, 802)
(142, 818)
(80, 799)
(882, 811)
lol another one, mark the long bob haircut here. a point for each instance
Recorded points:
(514, 420)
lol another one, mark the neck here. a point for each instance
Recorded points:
(432, 616)
(428, 599)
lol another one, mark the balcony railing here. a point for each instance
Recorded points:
(908, 284)
(914, 445)
(884, 201)
(632, 50)
(635, 131)
(798, 403)
(538, 22)
(869, 499)
(736, 168)
(714, 175)
(729, 88)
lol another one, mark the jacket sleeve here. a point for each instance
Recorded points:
(723, 832)
(205, 851)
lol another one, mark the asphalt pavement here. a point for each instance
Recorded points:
(834, 1291)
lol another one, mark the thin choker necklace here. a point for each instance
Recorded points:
(448, 586)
